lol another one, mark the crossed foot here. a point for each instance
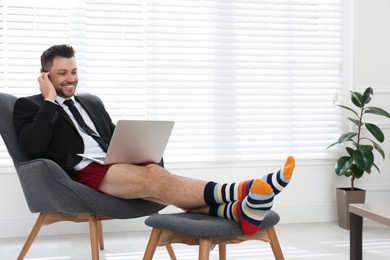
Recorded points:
(249, 201)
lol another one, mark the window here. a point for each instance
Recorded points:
(244, 80)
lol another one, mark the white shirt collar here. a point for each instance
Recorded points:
(60, 100)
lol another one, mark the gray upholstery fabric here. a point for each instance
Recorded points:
(47, 188)
(204, 226)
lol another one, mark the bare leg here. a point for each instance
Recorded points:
(153, 183)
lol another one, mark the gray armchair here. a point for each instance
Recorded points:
(50, 192)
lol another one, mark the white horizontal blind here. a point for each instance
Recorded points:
(108, 39)
(244, 80)
(113, 56)
(27, 29)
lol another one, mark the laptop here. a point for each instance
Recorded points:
(135, 142)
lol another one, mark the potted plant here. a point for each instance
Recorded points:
(359, 158)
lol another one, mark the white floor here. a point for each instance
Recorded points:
(298, 241)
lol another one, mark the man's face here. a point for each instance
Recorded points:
(63, 76)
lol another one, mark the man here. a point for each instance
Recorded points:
(48, 126)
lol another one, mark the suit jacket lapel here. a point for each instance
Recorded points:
(67, 118)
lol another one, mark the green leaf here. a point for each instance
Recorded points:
(346, 137)
(332, 145)
(377, 168)
(349, 151)
(357, 99)
(355, 121)
(377, 111)
(379, 149)
(350, 109)
(364, 159)
(366, 147)
(367, 95)
(343, 164)
(348, 173)
(376, 132)
(356, 171)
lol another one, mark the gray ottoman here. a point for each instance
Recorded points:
(206, 231)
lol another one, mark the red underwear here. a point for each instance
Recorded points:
(93, 174)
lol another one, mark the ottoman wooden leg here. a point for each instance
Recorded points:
(152, 244)
(204, 248)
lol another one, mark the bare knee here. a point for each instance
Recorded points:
(154, 170)
(131, 181)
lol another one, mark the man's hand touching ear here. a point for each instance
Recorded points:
(46, 87)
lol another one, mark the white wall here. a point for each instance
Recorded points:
(371, 67)
(371, 44)
(311, 195)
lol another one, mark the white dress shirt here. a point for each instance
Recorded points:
(90, 145)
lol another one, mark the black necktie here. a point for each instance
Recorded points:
(84, 126)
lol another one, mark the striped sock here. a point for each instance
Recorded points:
(220, 193)
(281, 178)
(249, 212)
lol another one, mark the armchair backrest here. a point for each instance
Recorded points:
(47, 188)
(7, 129)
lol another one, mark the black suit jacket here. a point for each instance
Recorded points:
(45, 130)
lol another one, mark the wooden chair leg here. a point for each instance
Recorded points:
(33, 234)
(275, 243)
(222, 251)
(170, 251)
(204, 248)
(152, 244)
(100, 231)
(94, 236)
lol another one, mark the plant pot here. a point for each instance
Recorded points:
(345, 196)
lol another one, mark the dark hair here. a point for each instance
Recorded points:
(48, 56)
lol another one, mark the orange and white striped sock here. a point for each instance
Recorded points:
(220, 193)
(279, 180)
(249, 212)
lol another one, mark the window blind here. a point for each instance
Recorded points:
(244, 80)
(113, 53)
(27, 28)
